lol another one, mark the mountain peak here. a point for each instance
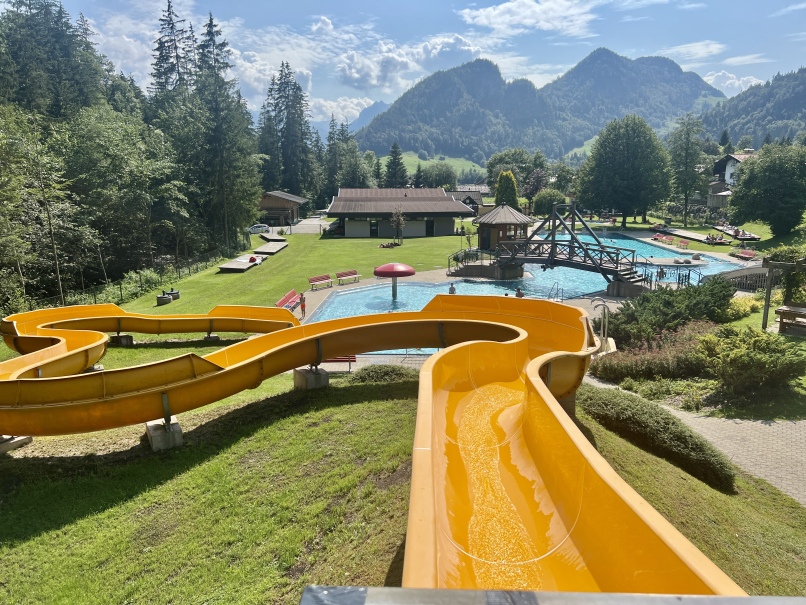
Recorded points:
(469, 111)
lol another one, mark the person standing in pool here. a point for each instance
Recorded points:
(302, 306)
(519, 293)
(451, 290)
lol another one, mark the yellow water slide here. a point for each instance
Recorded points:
(506, 491)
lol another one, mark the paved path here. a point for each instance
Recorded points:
(774, 450)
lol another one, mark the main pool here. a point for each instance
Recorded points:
(557, 282)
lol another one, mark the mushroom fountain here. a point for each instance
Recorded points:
(394, 270)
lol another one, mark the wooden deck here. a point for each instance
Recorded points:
(271, 248)
(268, 237)
(240, 264)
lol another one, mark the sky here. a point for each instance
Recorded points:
(348, 54)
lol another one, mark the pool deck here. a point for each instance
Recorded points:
(314, 298)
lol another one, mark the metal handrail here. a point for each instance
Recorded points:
(599, 303)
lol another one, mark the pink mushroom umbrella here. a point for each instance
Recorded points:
(394, 270)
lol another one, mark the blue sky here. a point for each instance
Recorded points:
(349, 54)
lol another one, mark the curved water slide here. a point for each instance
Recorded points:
(506, 491)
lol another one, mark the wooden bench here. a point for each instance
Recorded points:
(290, 301)
(668, 239)
(790, 315)
(320, 280)
(345, 275)
(746, 254)
(683, 243)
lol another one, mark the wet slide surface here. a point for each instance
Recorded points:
(506, 492)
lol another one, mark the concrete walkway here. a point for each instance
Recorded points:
(774, 450)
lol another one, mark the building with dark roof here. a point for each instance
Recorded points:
(725, 168)
(368, 212)
(280, 208)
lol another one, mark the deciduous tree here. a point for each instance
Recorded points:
(771, 188)
(628, 169)
(685, 151)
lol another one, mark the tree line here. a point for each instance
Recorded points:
(99, 177)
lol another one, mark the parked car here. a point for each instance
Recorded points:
(259, 228)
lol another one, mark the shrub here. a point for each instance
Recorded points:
(422, 155)
(670, 355)
(744, 360)
(641, 320)
(383, 373)
(654, 429)
(742, 307)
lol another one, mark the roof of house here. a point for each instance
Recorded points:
(381, 203)
(504, 215)
(460, 196)
(721, 164)
(408, 192)
(287, 196)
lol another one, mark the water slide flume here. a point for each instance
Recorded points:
(506, 491)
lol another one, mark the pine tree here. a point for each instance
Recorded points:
(170, 67)
(724, 139)
(269, 142)
(396, 175)
(230, 178)
(419, 177)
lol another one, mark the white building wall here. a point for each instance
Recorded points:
(730, 171)
(414, 229)
(353, 228)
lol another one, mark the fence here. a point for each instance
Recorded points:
(133, 285)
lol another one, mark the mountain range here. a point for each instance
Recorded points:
(470, 111)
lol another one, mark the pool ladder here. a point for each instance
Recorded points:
(556, 293)
(599, 303)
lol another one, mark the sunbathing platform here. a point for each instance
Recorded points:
(240, 264)
(268, 237)
(271, 248)
(676, 261)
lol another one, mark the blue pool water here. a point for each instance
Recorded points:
(572, 282)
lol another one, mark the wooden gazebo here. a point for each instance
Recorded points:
(504, 224)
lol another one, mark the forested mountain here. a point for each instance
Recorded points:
(775, 110)
(470, 111)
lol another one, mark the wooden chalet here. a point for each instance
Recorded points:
(280, 208)
(502, 224)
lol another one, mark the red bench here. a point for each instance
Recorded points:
(290, 301)
(345, 275)
(683, 243)
(348, 359)
(320, 280)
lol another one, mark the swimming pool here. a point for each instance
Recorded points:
(414, 296)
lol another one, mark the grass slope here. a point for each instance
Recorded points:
(410, 161)
(306, 255)
(273, 493)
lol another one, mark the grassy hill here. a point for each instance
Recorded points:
(410, 160)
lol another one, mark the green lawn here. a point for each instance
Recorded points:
(305, 256)
(410, 161)
(278, 489)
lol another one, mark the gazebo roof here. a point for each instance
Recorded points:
(503, 215)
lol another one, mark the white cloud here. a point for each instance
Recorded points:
(322, 26)
(631, 4)
(694, 51)
(729, 83)
(568, 17)
(690, 6)
(345, 109)
(392, 68)
(797, 37)
(746, 60)
(789, 9)
(633, 19)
